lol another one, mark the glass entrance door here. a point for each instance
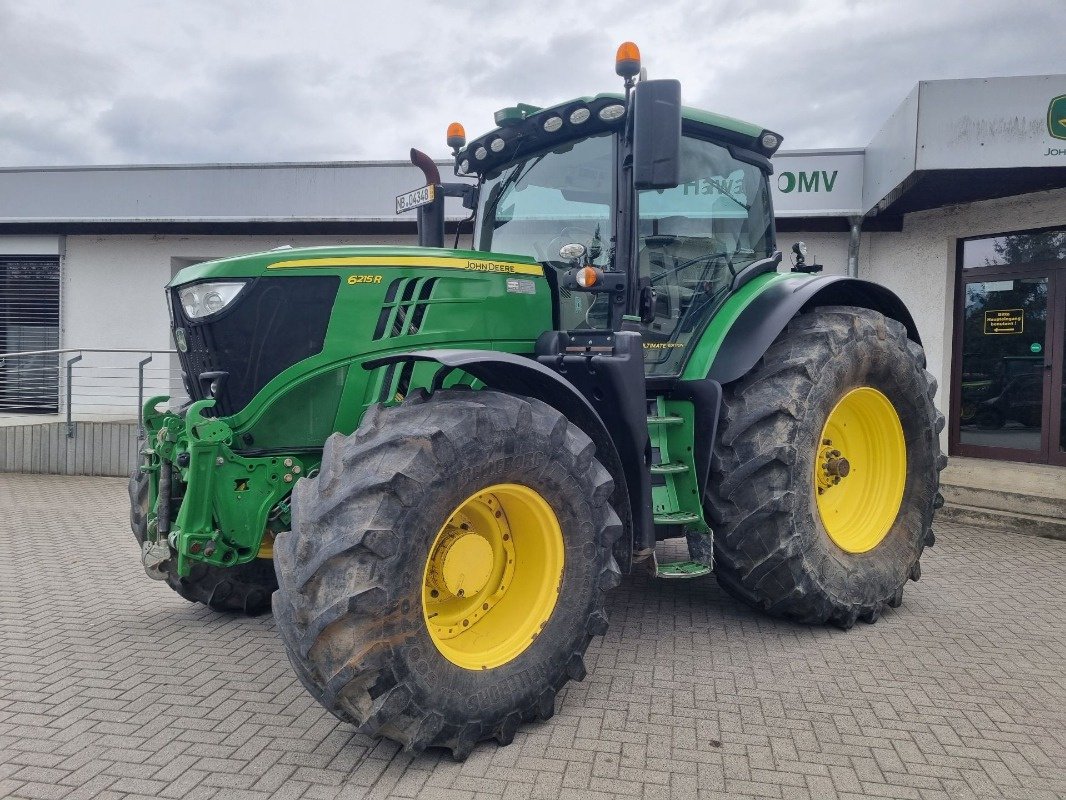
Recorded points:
(1056, 368)
(1004, 339)
(1008, 398)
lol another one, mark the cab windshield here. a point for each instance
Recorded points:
(535, 206)
(691, 240)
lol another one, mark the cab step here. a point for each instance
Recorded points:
(681, 570)
(670, 468)
(671, 419)
(677, 518)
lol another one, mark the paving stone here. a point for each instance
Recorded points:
(113, 686)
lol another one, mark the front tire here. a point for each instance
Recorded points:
(826, 470)
(447, 568)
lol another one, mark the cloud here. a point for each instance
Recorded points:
(264, 108)
(224, 80)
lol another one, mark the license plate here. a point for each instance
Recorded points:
(422, 196)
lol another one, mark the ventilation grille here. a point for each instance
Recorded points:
(404, 311)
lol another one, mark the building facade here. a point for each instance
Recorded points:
(958, 204)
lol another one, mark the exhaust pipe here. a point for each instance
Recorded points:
(430, 216)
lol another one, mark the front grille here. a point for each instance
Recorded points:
(275, 322)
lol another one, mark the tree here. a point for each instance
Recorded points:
(1021, 248)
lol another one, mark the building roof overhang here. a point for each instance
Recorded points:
(949, 142)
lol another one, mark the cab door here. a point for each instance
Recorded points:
(691, 241)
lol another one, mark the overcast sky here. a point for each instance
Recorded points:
(119, 81)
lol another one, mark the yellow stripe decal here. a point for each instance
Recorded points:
(469, 264)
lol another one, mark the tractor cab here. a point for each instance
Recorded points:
(636, 206)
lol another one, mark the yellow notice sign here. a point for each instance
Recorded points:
(1005, 320)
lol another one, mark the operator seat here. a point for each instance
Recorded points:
(670, 242)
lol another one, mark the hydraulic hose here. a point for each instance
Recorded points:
(162, 504)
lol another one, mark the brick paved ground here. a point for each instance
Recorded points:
(110, 686)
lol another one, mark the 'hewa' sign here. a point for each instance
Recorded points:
(811, 184)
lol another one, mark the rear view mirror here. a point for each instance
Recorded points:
(657, 134)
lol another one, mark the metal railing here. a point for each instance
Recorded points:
(85, 383)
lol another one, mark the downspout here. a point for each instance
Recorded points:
(853, 246)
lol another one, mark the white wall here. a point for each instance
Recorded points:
(919, 263)
(113, 298)
(113, 285)
(20, 245)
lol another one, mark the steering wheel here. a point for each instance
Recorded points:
(691, 262)
(549, 254)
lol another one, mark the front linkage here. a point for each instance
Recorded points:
(225, 501)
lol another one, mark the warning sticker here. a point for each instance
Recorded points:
(1006, 320)
(521, 286)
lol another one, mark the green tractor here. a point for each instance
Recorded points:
(435, 463)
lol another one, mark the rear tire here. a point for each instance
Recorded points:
(353, 572)
(772, 547)
(245, 588)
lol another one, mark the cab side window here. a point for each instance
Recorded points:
(692, 241)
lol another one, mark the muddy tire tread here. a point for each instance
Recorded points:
(752, 503)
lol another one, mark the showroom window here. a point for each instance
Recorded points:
(29, 322)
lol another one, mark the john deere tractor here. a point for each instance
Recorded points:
(435, 463)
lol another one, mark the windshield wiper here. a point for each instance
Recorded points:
(746, 208)
(518, 174)
(493, 201)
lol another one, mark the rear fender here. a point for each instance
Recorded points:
(762, 321)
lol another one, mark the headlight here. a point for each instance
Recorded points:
(205, 299)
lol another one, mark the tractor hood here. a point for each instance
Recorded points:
(249, 329)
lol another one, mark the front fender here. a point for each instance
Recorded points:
(524, 376)
(509, 373)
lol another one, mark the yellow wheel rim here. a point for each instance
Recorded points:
(861, 470)
(493, 575)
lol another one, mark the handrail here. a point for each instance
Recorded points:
(28, 378)
(84, 350)
(70, 390)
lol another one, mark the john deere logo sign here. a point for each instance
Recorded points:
(1056, 117)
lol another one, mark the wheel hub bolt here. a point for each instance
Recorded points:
(838, 467)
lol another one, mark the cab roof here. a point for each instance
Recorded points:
(521, 128)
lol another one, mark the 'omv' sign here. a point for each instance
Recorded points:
(817, 183)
